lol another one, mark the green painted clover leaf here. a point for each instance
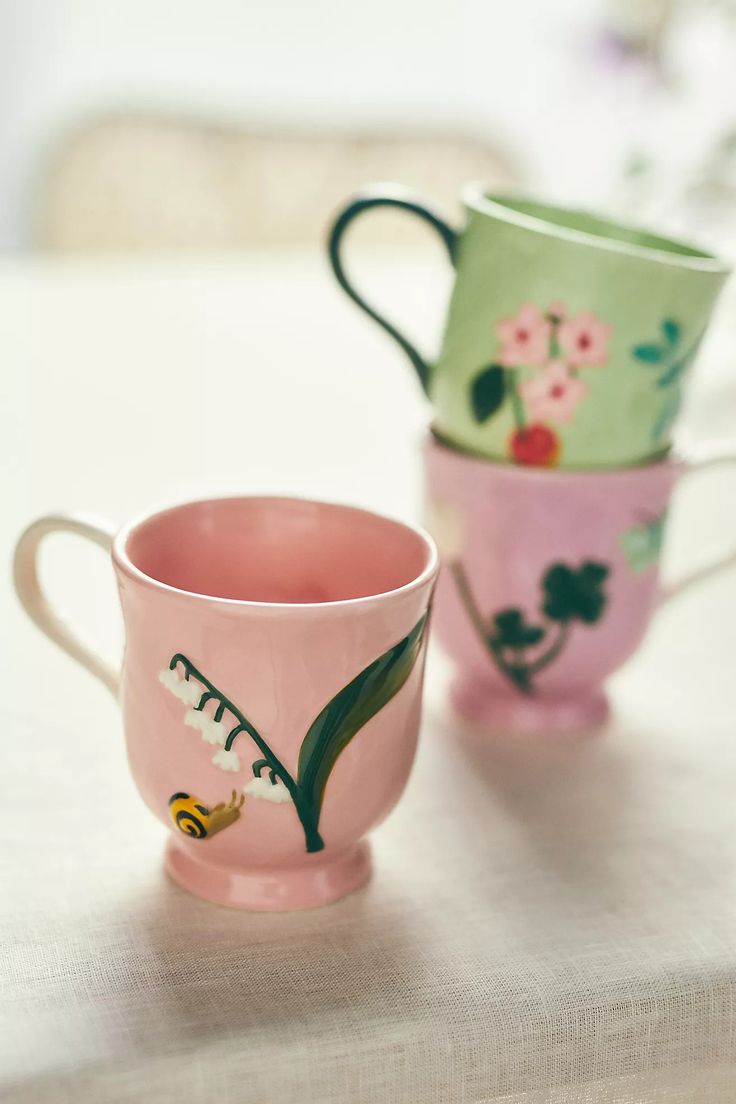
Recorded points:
(512, 630)
(571, 593)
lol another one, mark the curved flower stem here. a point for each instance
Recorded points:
(520, 673)
(305, 812)
(468, 600)
(516, 404)
(513, 674)
(553, 651)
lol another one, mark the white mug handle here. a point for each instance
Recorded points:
(33, 599)
(698, 463)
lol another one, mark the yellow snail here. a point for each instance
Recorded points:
(192, 817)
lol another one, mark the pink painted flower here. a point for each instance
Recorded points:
(524, 338)
(553, 393)
(584, 339)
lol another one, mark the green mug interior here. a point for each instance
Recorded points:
(584, 226)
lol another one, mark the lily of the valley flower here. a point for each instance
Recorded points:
(213, 732)
(264, 788)
(553, 394)
(185, 690)
(524, 338)
(226, 760)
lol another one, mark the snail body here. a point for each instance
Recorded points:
(196, 819)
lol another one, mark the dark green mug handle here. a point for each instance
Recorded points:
(406, 201)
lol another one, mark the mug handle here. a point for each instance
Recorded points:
(720, 563)
(384, 195)
(34, 601)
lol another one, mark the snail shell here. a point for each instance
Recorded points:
(189, 815)
(192, 817)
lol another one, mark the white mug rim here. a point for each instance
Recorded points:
(125, 565)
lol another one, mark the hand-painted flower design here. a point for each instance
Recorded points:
(267, 790)
(341, 719)
(213, 732)
(182, 688)
(524, 338)
(520, 648)
(536, 445)
(226, 760)
(554, 393)
(584, 339)
(446, 523)
(536, 373)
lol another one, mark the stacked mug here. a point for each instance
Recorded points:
(549, 467)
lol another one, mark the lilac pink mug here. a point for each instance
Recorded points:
(271, 684)
(549, 582)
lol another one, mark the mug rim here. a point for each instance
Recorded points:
(496, 204)
(123, 562)
(673, 461)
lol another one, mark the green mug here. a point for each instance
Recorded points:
(568, 337)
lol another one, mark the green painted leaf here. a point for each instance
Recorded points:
(648, 353)
(680, 366)
(344, 716)
(642, 544)
(673, 373)
(571, 593)
(487, 392)
(671, 330)
(512, 630)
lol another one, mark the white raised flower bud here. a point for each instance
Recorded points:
(213, 732)
(226, 760)
(267, 790)
(185, 690)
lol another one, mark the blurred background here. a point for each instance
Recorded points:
(167, 125)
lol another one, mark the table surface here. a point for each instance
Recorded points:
(547, 921)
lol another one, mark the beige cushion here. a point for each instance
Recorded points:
(136, 183)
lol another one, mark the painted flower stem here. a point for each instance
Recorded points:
(553, 651)
(517, 405)
(522, 670)
(468, 600)
(305, 811)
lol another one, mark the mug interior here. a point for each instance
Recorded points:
(581, 225)
(277, 550)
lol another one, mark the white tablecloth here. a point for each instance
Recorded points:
(547, 923)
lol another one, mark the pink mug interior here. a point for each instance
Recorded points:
(275, 550)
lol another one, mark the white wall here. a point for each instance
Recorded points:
(481, 65)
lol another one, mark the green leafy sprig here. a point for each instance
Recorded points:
(568, 595)
(667, 356)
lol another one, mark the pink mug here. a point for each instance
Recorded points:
(271, 684)
(548, 584)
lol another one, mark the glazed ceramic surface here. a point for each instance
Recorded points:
(568, 338)
(270, 688)
(549, 581)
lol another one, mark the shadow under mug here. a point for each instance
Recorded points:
(271, 683)
(568, 337)
(549, 581)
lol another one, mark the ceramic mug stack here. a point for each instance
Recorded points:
(550, 467)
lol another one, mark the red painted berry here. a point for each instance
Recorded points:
(535, 445)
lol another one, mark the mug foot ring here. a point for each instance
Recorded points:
(318, 882)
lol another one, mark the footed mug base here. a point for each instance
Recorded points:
(321, 880)
(494, 711)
